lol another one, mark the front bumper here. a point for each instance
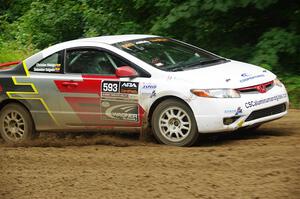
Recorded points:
(249, 109)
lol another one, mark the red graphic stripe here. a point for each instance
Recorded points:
(87, 109)
(10, 63)
(90, 84)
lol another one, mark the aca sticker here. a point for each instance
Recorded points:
(129, 87)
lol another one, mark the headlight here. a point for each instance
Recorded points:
(277, 82)
(216, 93)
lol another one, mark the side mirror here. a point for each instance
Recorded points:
(126, 71)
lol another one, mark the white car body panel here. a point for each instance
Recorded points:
(208, 112)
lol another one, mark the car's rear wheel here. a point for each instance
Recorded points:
(16, 125)
(173, 123)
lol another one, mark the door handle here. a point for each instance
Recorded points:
(70, 84)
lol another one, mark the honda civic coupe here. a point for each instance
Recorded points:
(135, 83)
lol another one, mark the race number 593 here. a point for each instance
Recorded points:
(110, 87)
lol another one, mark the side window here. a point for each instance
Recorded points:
(51, 64)
(89, 61)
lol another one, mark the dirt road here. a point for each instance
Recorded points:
(259, 164)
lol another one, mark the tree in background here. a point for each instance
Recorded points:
(265, 33)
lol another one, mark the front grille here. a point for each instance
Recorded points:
(255, 89)
(266, 112)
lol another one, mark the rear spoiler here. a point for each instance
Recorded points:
(9, 63)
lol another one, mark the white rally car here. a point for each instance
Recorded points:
(135, 82)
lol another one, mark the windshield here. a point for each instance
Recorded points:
(168, 55)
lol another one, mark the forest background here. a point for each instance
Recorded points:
(262, 32)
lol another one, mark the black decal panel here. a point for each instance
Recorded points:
(110, 87)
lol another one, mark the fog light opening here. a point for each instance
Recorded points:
(230, 120)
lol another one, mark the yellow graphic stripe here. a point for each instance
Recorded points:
(35, 92)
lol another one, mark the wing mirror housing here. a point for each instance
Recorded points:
(126, 71)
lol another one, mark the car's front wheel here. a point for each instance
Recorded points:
(16, 124)
(173, 123)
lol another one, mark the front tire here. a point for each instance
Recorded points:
(16, 125)
(173, 123)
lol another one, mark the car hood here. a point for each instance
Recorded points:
(231, 74)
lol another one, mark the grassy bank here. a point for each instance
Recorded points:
(13, 51)
(292, 83)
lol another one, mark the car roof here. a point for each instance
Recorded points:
(102, 39)
(114, 38)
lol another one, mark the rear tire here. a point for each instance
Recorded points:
(16, 125)
(173, 123)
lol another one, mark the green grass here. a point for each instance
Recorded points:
(292, 83)
(14, 52)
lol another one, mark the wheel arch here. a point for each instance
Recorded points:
(9, 101)
(161, 99)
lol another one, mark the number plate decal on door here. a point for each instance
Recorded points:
(110, 86)
(120, 87)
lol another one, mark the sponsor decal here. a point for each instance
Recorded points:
(40, 67)
(158, 39)
(120, 87)
(245, 75)
(120, 96)
(239, 111)
(105, 104)
(170, 77)
(148, 88)
(153, 94)
(230, 111)
(236, 112)
(115, 95)
(118, 110)
(190, 97)
(129, 87)
(248, 77)
(254, 103)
